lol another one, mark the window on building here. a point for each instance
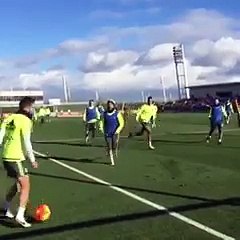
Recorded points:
(18, 98)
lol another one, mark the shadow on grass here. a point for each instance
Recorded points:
(229, 201)
(109, 220)
(11, 223)
(73, 144)
(29, 234)
(81, 160)
(81, 225)
(178, 141)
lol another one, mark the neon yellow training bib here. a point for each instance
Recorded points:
(16, 126)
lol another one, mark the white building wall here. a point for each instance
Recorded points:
(5, 97)
(212, 90)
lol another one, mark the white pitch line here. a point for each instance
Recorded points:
(154, 135)
(142, 200)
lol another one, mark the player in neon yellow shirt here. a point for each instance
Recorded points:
(146, 115)
(41, 114)
(155, 111)
(16, 144)
(47, 114)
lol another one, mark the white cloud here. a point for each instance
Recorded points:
(140, 77)
(135, 57)
(128, 77)
(158, 54)
(193, 26)
(224, 52)
(69, 48)
(37, 80)
(76, 46)
(202, 23)
(107, 61)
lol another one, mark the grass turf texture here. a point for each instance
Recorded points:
(199, 180)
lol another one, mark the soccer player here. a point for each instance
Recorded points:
(41, 115)
(100, 108)
(15, 137)
(91, 116)
(155, 111)
(47, 113)
(236, 108)
(112, 125)
(146, 116)
(229, 110)
(216, 116)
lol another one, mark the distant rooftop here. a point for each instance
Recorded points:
(216, 85)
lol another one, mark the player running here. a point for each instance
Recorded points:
(216, 116)
(100, 108)
(91, 116)
(47, 114)
(229, 110)
(42, 115)
(111, 125)
(146, 116)
(155, 111)
(15, 137)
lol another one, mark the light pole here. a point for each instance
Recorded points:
(180, 68)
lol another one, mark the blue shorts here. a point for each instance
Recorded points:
(217, 124)
(112, 141)
(229, 114)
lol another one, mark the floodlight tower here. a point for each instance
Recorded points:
(163, 89)
(182, 81)
(65, 89)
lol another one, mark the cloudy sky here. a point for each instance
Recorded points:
(117, 47)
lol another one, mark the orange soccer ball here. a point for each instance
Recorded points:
(42, 213)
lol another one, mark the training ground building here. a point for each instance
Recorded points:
(12, 98)
(221, 90)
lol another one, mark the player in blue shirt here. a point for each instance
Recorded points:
(111, 125)
(100, 108)
(216, 116)
(91, 116)
(229, 110)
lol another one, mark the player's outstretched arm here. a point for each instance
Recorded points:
(101, 125)
(121, 123)
(98, 114)
(224, 112)
(85, 115)
(139, 112)
(2, 134)
(28, 148)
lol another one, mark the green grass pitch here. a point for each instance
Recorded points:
(197, 180)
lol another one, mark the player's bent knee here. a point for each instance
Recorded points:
(24, 183)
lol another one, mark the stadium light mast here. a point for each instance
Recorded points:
(69, 93)
(182, 81)
(163, 89)
(65, 89)
(97, 96)
(143, 96)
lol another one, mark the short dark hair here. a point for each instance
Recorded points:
(149, 98)
(26, 102)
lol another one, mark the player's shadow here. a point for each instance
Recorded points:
(73, 144)
(80, 160)
(167, 141)
(11, 223)
(211, 202)
(97, 222)
(5, 221)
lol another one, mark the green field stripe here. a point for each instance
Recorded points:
(143, 200)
